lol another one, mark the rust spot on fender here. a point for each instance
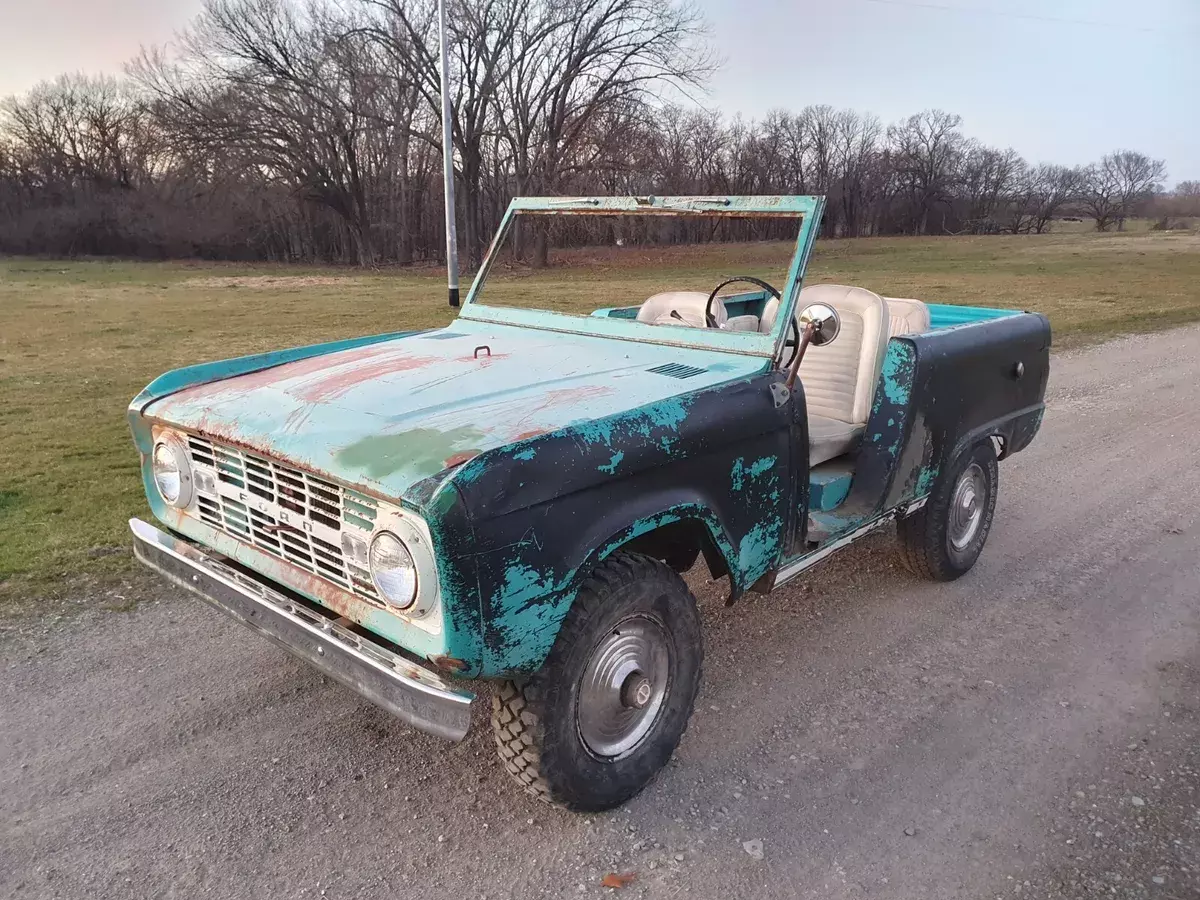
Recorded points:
(459, 458)
(272, 375)
(448, 663)
(337, 383)
(485, 359)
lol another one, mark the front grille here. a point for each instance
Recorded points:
(312, 523)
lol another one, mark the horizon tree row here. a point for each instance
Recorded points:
(273, 131)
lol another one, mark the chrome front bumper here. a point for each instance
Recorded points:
(402, 687)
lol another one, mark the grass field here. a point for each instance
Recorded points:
(79, 339)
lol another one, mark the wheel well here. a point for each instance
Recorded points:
(679, 544)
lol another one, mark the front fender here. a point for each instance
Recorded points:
(546, 510)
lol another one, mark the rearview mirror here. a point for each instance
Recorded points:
(824, 320)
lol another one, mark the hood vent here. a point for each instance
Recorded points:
(677, 370)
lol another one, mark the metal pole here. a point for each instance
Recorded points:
(448, 162)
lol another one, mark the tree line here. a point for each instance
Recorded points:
(274, 131)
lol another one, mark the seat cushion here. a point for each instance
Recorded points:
(767, 320)
(687, 307)
(828, 438)
(906, 316)
(839, 378)
(742, 323)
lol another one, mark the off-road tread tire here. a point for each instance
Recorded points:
(526, 745)
(922, 545)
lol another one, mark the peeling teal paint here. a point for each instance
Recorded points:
(521, 583)
(926, 479)
(893, 392)
(668, 413)
(897, 372)
(615, 461)
(759, 549)
(531, 607)
(638, 528)
(527, 454)
(740, 472)
(761, 546)
(598, 431)
(644, 422)
(762, 465)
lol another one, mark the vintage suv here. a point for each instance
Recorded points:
(512, 497)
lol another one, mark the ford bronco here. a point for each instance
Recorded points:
(512, 497)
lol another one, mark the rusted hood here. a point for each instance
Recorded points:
(386, 415)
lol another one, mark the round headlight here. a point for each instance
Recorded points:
(172, 473)
(393, 570)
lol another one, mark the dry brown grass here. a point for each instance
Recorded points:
(271, 282)
(79, 339)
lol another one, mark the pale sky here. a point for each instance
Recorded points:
(1059, 80)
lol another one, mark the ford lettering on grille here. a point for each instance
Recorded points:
(315, 524)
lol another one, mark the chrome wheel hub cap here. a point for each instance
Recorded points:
(966, 507)
(624, 687)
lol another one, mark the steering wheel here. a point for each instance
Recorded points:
(793, 339)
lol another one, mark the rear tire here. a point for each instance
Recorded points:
(612, 701)
(942, 540)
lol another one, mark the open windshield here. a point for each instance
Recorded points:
(691, 271)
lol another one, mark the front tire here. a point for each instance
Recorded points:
(612, 701)
(943, 539)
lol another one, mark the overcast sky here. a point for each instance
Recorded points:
(1060, 80)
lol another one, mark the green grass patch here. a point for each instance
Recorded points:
(79, 339)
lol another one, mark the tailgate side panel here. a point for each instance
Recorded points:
(944, 391)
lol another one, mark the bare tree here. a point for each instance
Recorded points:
(856, 143)
(310, 130)
(479, 35)
(986, 181)
(926, 151)
(572, 62)
(1114, 187)
(276, 85)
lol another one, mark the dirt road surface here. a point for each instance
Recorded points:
(1031, 730)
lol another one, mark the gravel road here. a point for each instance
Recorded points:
(1031, 730)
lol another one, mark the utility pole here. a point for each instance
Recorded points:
(448, 162)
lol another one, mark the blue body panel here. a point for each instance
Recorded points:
(828, 484)
(945, 315)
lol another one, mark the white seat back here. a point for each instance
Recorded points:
(839, 378)
(689, 305)
(906, 316)
(767, 320)
(742, 323)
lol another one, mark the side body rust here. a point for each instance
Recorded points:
(717, 465)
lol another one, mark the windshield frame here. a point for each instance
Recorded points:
(807, 209)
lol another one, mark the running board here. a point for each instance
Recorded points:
(794, 568)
